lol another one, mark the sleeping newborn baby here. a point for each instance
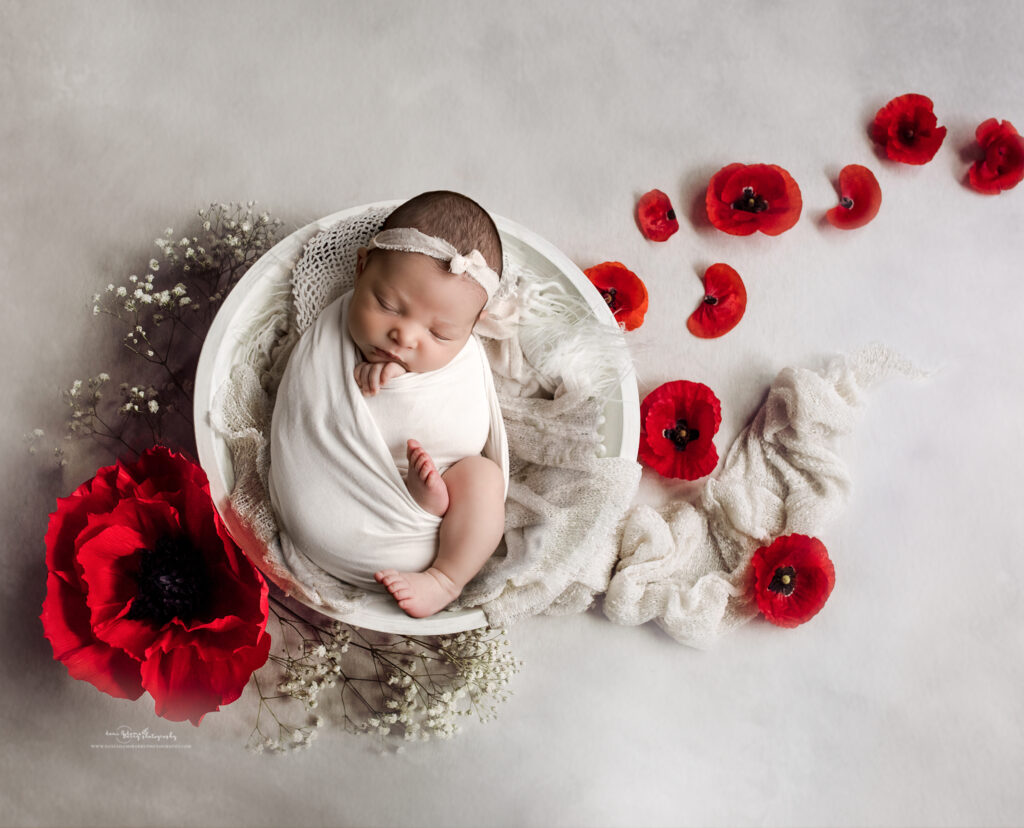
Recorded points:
(387, 409)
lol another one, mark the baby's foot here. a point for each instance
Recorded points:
(424, 483)
(419, 594)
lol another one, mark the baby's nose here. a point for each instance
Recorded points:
(402, 336)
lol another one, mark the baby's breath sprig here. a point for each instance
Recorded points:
(165, 314)
(183, 288)
(397, 688)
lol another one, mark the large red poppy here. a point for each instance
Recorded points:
(793, 578)
(146, 591)
(1002, 166)
(623, 291)
(746, 198)
(678, 421)
(725, 300)
(655, 216)
(908, 129)
(860, 197)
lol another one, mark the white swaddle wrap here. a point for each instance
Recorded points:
(335, 480)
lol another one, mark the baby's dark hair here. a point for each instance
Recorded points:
(453, 217)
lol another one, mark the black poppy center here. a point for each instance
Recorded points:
(682, 435)
(846, 202)
(609, 297)
(173, 582)
(750, 202)
(907, 133)
(671, 214)
(784, 580)
(710, 300)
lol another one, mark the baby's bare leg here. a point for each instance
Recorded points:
(470, 532)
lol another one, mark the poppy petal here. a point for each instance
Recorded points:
(724, 303)
(623, 291)
(860, 198)
(655, 216)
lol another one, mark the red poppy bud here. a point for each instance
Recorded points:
(859, 198)
(725, 301)
(655, 216)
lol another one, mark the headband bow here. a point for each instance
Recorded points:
(410, 240)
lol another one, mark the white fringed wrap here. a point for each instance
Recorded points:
(689, 567)
(553, 362)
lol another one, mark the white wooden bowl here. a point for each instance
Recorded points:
(620, 431)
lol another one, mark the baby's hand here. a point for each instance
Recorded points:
(370, 376)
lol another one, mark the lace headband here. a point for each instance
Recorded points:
(410, 240)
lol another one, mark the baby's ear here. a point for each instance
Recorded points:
(360, 261)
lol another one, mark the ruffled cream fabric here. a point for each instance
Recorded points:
(688, 567)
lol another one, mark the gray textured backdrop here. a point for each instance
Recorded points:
(899, 705)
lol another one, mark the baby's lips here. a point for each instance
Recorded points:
(860, 197)
(655, 216)
(724, 303)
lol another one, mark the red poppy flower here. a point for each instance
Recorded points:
(907, 128)
(793, 578)
(623, 290)
(1002, 168)
(725, 300)
(678, 421)
(655, 216)
(146, 592)
(859, 198)
(744, 198)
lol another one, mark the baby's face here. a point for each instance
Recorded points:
(405, 309)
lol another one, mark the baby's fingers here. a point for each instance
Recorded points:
(364, 378)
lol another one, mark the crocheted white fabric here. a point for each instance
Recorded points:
(328, 264)
(553, 362)
(688, 568)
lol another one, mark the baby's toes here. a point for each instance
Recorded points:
(397, 584)
(385, 576)
(401, 593)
